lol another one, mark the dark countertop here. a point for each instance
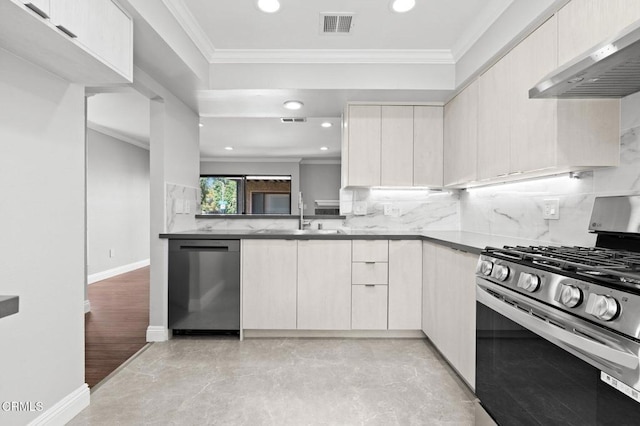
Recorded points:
(266, 216)
(9, 305)
(470, 242)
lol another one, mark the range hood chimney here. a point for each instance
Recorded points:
(609, 70)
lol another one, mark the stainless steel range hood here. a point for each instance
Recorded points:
(609, 70)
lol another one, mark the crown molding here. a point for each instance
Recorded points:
(332, 56)
(117, 135)
(250, 160)
(190, 25)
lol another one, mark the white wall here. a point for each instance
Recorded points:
(258, 168)
(117, 203)
(319, 182)
(42, 250)
(174, 163)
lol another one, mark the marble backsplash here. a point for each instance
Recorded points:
(182, 205)
(515, 209)
(400, 209)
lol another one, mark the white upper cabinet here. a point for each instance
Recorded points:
(88, 42)
(364, 126)
(460, 137)
(585, 23)
(392, 145)
(428, 139)
(397, 146)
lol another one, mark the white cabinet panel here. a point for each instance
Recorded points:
(370, 250)
(460, 137)
(324, 285)
(369, 273)
(369, 307)
(269, 283)
(405, 285)
(397, 146)
(428, 139)
(364, 127)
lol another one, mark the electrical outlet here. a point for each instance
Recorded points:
(187, 206)
(112, 252)
(388, 209)
(551, 209)
(179, 206)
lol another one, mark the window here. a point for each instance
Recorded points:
(245, 194)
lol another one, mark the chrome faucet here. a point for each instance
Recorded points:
(303, 222)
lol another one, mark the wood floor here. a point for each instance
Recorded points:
(116, 327)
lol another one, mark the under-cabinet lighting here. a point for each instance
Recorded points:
(269, 6)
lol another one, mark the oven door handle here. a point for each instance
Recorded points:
(595, 351)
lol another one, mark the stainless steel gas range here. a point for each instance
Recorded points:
(558, 328)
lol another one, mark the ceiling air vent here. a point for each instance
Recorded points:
(293, 120)
(336, 23)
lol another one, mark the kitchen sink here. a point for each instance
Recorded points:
(301, 231)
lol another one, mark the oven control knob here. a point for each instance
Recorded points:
(500, 272)
(529, 282)
(570, 296)
(603, 307)
(486, 266)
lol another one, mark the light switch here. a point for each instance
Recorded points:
(551, 209)
(187, 206)
(179, 206)
(359, 208)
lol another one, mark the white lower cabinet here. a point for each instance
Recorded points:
(449, 306)
(269, 282)
(324, 285)
(369, 307)
(405, 285)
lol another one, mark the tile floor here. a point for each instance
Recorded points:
(206, 380)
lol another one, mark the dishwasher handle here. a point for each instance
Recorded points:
(204, 245)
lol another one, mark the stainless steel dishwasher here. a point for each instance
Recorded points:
(204, 285)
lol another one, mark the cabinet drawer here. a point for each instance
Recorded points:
(370, 251)
(369, 307)
(369, 273)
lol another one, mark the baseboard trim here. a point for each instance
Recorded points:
(87, 306)
(99, 276)
(358, 334)
(157, 333)
(66, 409)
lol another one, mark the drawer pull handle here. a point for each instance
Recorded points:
(66, 31)
(37, 10)
(370, 263)
(369, 285)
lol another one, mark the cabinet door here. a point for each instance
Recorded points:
(405, 285)
(534, 123)
(364, 145)
(101, 26)
(369, 307)
(42, 7)
(397, 146)
(460, 137)
(430, 324)
(428, 140)
(495, 104)
(269, 274)
(582, 24)
(465, 307)
(324, 285)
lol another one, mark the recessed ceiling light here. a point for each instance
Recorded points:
(323, 148)
(200, 124)
(401, 6)
(293, 105)
(228, 148)
(269, 6)
(326, 124)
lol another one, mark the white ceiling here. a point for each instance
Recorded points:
(259, 60)
(124, 114)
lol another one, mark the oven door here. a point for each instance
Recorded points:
(533, 367)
